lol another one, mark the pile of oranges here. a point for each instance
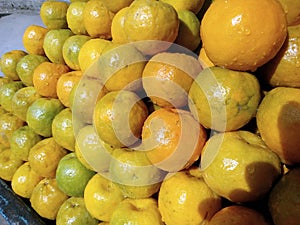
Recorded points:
(171, 111)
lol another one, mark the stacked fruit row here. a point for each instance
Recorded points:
(131, 112)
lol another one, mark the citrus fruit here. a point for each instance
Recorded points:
(172, 138)
(137, 211)
(44, 157)
(8, 124)
(46, 198)
(234, 36)
(27, 65)
(8, 165)
(118, 118)
(284, 199)
(45, 77)
(237, 215)
(74, 17)
(117, 5)
(224, 100)
(278, 122)
(249, 167)
(121, 68)
(83, 98)
(22, 140)
(192, 5)
(204, 60)
(167, 78)
(97, 19)
(145, 20)
(282, 70)
(7, 92)
(22, 99)
(117, 26)
(291, 9)
(186, 199)
(91, 151)
(62, 129)
(9, 61)
(189, 30)
(72, 176)
(134, 174)
(71, 49)
(101, 197)
(24, 180)
(53, 44)
(4, 80)
(90, 52)
(65, 84)
(73, 211)
(53, 14)
(41, 113)
(33, 39)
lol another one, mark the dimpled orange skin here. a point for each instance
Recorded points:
(243, 35)
(164, 134)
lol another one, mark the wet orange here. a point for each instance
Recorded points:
(173, 139)
(45, 78)
(65, 84)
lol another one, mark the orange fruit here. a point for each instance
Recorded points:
(197, 206)
(191, 5)
(117, 26)
(167, 78)
(291, 9)
(91, 151)
(278, 122)
(21, 141)
(222, 99)
(203, 58)
(24, 180)
(8, 124)
(238, 166)
(75, 17)
(8, 165)
(65, 84)
(97, 19)
(284, 199)
(53, 14)
(53, 44)
(27, 65)
(117, 5)
(122, 68)
(118, 118)
(45, 78)
(189, 30)
(9, 61)
(22, 99)
(173, 139)
(33, 39)
(90, 52)
(83, 98)
(101, 197)
(134, 174)
(62, 129)
(7, 92)
(146, 20)
(283, 69)
(237, 215)
(71, 49)
(235, 37)
(44, 157)
(41, 113)
(46, 198)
